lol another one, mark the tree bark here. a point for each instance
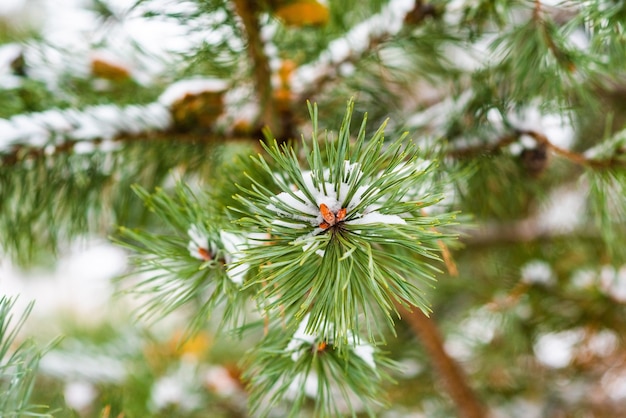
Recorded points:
(451, 375)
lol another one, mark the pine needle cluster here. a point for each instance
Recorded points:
(19, 362)
(338, 240)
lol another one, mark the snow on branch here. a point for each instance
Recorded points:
(56, 127)
(60, 127)
(354, 44)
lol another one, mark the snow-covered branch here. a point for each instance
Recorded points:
(336, 59)
(82, 129)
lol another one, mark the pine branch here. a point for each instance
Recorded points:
(187, 105)
(350, 228)
(309, 80)
(306, 365)
(191, 263)
(19, 362)
(541, 139)
(522, 231)
(341, 244)
(544, 28)
(60, 130)
(451, 375)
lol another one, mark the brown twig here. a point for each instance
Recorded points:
(540, 138)
(25, 152)
(570, 155)
(537, 10)
(446, 254)
(483, 149)
(248, 12)
(574, 157)
(452, 377)
(558, 53)
(448, 260)
(521, 231)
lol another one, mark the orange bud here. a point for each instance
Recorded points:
(205, 254)
(328, 216)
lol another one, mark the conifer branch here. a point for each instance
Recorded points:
(19, 362)
(452, 377)
(55, 127)
(558, 54)
(182, 110)
(310, 79)
(540, 138)
(521, 231)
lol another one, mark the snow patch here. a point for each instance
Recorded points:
(182, 88)
(537, 272)
(303, 341)
(556, 349)
(233, 245)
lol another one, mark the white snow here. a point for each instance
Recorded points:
(233, 245)
(199, 240)
(10, 7)
(565, 209)
(303, 341)
(557, 127)
(613, 282)
(291, 225)
(300, 338)
(300, 205)
(219, 380)
(79, 285)
(8, 53)
(434, 118)
(353, 44)
(94, 122)
(180, 89)
(181, 387)
(556, 349)
(365, 352)
(324, 191)
(603, 343)
(79, 394)
(538, 272)
(84, 366)
(614, 384)
(309, 384)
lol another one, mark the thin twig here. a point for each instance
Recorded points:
(248, 12)
(453, 378)
(577, 158)
(573, 156)
(537, 10)
(483, 149)
(560, 56)
(448, 260)
(21, 153)
(522, 231)
(446, 254)
(570, 155)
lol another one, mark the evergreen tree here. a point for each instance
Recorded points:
(360, 208)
